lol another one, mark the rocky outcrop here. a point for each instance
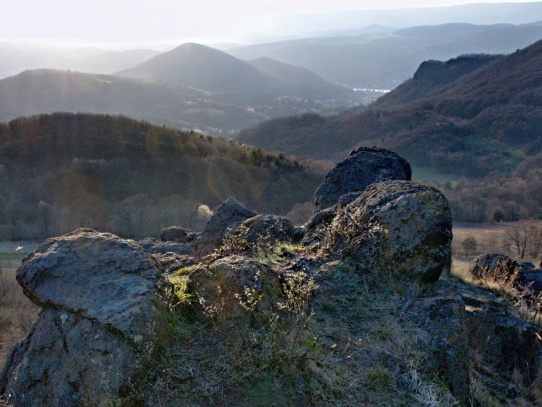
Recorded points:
(353, 296)
(101, 297)
(402, 226)
(225, 220)
(501, 344)
(496, 267)
(362, 167)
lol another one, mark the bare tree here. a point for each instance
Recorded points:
(524, 240)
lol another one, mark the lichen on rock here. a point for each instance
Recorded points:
(406, 226)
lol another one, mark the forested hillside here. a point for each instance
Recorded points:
(62, 171)
(471, 116)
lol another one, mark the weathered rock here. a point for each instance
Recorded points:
(230, 286)
(442, 315)
(225, 220)
(501, 344)
(262, 232)
(363, 167)
(473, 335)
(315, 230)
(400, 225)
(496, 267)
(529, 284)
(171, 247)
(173, 261)
(101, 297)
(177, 234)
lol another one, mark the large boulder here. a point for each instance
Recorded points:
(177, 234)
(363, 167)
(101, 298)
(401, 226)
(224, 221)
(231, 286)
(497, 267)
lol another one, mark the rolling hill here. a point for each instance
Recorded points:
(383, 60)
(62, 171)
(183, 107)
(207, 69)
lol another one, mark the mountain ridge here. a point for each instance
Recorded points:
(395, 56)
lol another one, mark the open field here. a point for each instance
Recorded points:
(17, 313)
(492, 237)
(11, 253)
(495, 238)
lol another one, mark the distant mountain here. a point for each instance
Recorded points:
(63, 171)
(208, 69)
(470, 116)
(48, 91)
(384, 60)
(19, 56)
(346, 22)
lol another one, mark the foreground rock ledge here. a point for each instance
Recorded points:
(100, 296)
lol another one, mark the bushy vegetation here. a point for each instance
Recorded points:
(62, 171)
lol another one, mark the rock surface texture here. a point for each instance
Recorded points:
(225, 220)
(262, 231)
(100, 297)
(362, 167)
(404, 225)
(232, 285)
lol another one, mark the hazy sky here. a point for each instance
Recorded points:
(168, 21)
